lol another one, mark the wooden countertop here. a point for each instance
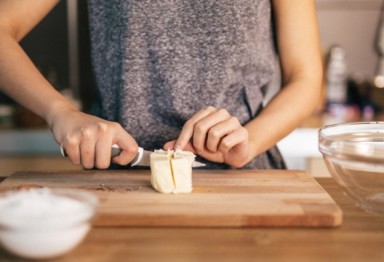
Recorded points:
(359, 238)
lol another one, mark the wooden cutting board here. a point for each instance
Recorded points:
(235, 198)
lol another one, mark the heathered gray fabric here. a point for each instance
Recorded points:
(156, 63)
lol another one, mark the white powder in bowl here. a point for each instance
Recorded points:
(31, 220)
(33, 206)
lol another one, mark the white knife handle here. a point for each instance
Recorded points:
(138, 157)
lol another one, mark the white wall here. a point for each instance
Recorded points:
(353, 25)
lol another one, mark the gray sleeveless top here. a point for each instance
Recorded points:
(156, 63)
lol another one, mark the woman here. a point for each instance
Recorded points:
(176, 74)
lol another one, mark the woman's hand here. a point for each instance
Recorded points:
(215, 135)
(87, 139)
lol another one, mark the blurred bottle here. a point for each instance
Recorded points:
(336, 87)
(379, 74)
(336, 77)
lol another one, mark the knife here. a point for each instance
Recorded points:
(141, 159)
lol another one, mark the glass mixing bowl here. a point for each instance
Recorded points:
(354, 155)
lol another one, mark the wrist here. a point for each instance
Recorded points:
(253, 149)
(57, 109)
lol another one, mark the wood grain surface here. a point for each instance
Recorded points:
(359, 238)
(246, 198)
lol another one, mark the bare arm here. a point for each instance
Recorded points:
(301, 62)
(19, 78)
(86, 139)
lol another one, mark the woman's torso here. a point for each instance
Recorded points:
(156, 63)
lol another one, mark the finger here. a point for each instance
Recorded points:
(73, 151)
(219, 131)
(187, 130)
(126, 156)
(189, 147)
(214, 157)
(169, 145)
(87, 153)
(103, 153)
(237, 137)
(128, 146)
(202, 127)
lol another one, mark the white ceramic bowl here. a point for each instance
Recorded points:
(48, 222)
(354, 155)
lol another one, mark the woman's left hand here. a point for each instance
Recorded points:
(215, 135)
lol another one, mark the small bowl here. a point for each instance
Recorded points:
(354, 155)
(41, 223)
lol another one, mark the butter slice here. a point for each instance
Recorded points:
(171, 172)
(161, 171)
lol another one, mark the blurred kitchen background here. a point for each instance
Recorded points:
(352, 37)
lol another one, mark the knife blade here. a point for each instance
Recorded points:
(141, 159)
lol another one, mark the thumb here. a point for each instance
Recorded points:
(172, 144)
(128, 146)
(189, 147)
(169, 145)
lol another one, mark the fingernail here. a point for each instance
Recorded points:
(177, 147)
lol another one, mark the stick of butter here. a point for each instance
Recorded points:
(171, 171)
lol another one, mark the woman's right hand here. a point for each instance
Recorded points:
(87, 139)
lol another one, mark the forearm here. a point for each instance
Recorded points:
(301, 63)
(286, 111)
(22, 81)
